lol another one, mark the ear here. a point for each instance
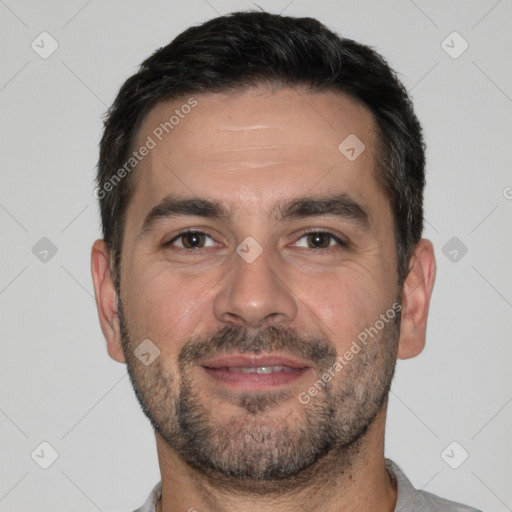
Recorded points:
(416, 293)
(106, 299)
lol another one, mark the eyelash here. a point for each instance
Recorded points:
(341, 243)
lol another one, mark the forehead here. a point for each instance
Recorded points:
(256, 118)
(254, 147)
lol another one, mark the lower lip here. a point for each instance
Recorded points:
(247, 381)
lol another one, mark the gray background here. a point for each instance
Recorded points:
(57, 382)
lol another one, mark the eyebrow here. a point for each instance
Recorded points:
(341, 206)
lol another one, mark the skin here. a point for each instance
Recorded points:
(253, 150)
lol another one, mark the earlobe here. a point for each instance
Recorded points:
(106, 299)
(416, 294)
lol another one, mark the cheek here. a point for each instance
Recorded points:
(345, 302)
(165, 306)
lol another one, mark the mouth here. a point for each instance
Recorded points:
(255, 372)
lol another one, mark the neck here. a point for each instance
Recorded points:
(354, 479)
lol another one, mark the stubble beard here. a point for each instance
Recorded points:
(253, 449)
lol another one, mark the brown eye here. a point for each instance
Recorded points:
(319, 240)
(193, 240)
(189, 240)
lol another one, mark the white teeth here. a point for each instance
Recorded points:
(259, 369)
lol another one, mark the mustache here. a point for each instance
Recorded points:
(272, 339)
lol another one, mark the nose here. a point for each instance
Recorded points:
(255, 294)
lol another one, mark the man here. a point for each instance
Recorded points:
(260, 183)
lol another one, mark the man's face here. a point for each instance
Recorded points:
(285, 289)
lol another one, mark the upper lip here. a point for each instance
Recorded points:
(255, 361)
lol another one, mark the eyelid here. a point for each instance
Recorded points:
(324, 231)
(186, 232)
(339, 245)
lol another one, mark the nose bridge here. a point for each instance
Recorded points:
(254, 293)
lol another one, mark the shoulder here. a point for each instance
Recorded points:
(431, 502)
(152, 499)
(410, 499)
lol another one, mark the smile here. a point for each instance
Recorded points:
(259, 369)
(244, 372)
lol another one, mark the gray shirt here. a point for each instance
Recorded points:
(408, 500)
